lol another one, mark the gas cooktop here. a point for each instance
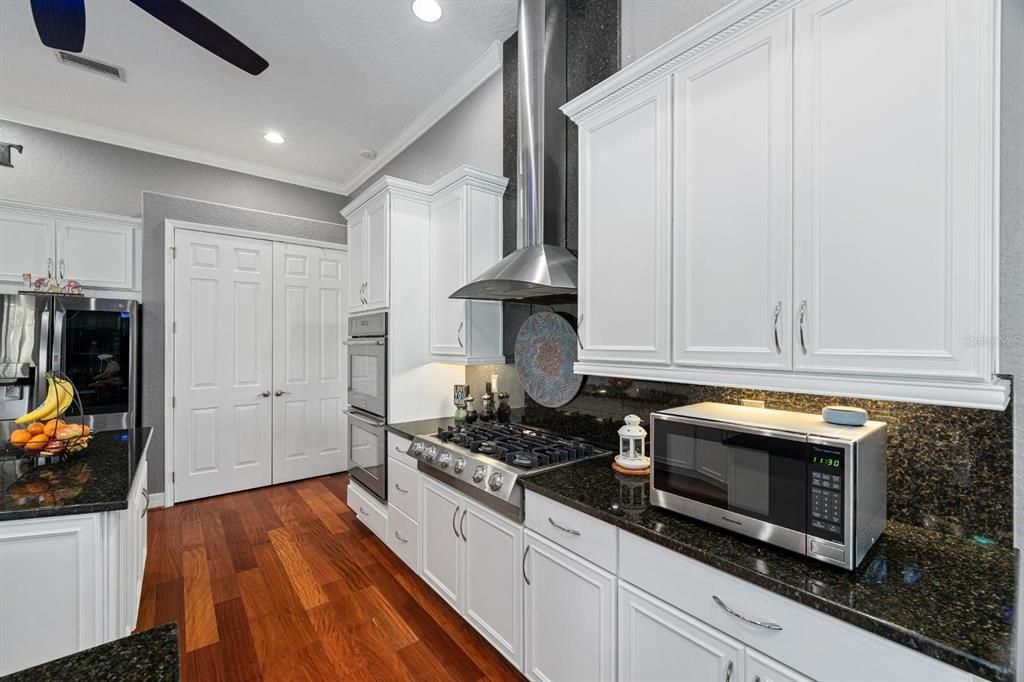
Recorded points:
(484, 460)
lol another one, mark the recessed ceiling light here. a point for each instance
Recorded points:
(368, 154)
(273, 137)
(427, 10)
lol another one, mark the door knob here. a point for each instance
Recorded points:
(280, 393)
(265, 394)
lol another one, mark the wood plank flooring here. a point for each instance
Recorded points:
(283, 583)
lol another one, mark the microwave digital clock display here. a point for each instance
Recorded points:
(824, 460)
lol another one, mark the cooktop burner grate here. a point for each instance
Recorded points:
(517, 445)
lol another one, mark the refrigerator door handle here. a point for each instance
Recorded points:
(43, 353)
(57, 352)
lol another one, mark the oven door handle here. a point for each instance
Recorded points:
(376, 341)
(366, 420)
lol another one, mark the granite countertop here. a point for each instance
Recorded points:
(96, 479)
(949, 597)
(430, 426)
(149, 656)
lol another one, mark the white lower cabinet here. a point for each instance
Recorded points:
(70, 582)
(569, 615)
(658, 642)
(470, 556)
(760, 668)
(368, 509)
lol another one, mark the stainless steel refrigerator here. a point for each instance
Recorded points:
(94, 341)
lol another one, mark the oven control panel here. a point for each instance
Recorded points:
(826, 490)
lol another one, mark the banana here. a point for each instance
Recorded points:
(65, 395)
(45, 411)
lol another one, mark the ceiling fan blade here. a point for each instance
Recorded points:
(60, 23)
(200, 30)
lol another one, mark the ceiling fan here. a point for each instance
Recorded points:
(61, 26)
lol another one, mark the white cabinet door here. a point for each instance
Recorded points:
(625, 228)
(658, 642)
(310, 370)
(492, 595)
(377, 239)
(760, 668)
(732, 196)
(131, 543)
(447, 273)
(357, 262)
(569, 615)
(440, 541)
(53, 599)
(26, 245)
(98, 255)
(893, 165)
(222, 364)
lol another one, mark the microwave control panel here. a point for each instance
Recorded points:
(826, 469)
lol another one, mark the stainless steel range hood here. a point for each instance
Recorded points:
(542, 267)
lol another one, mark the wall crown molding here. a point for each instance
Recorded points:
(70, 213)
(463, 175)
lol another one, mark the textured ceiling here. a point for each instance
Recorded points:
(345, 75)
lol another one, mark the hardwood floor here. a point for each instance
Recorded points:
(282, 583)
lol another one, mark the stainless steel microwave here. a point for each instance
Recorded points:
(786, 478)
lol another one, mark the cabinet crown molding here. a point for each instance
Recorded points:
(726, 23)
(467, 175)
(73, 213)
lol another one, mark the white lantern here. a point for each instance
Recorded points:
(633, 445)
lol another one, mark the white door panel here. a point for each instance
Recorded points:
(309, 371)
(439, 539)
(100, 256)
(223, 360)
(447, 273)
(26, 245)
(732, 226)
(376, 231)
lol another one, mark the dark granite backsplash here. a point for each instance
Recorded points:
(949, 468)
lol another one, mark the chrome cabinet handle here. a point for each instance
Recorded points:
(757, 678)
(401, 489)
(398, 449)
(49, 268)
(526, 553)
(775, 326)
(363, 511)
(458, 334)
(265, 394)
(280, 393)
(570, 531)
(145, 510)
(60, 269)
(462, 531)
(803, 315)
(454, 529)
(728, 672)
(579, 331)
(745, 619)
(399, 537)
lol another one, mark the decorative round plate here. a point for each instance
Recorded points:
(545, 351)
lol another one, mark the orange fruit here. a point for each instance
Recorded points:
(35, 428)
(37, 442)
(20, 437)
(51, 427)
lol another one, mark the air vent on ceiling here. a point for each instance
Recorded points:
(108, 70)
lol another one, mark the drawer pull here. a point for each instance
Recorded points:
(454, 516)
(363, 511)
(728, 672)
(766, 626)
(398, 536)
(404, 452)
(462, 531)
(401, 489)
(526, 552)
(570, 531)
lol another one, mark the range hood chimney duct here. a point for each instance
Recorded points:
(542, 267)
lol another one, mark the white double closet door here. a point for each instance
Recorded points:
(259, 370)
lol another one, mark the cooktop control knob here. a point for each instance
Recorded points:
(495, 481)
(460, 464)
(479, 473)
(417, 448)
(430, 453)
(444, 459)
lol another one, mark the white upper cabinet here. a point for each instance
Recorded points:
(893, 177)
(369, 241)
(799, 196)
(465, 240)
(98, 251)
(624, 238)
(731, 230)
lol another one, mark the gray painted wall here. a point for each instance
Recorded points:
(646, 24)
(469, 134)
(72, 172)
(156, 208)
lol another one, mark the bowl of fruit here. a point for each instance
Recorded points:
(43, 432)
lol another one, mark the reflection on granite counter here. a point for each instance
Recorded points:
(150, 656)
(96, 479)
(951, 598)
